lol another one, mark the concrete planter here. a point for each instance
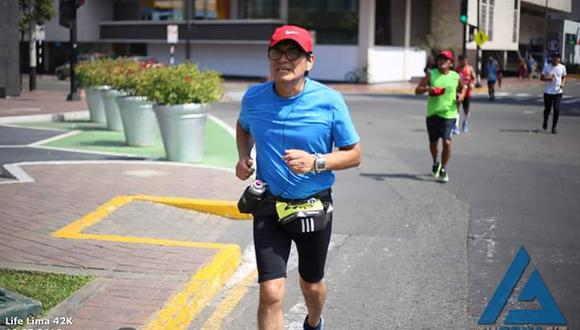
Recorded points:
(114, 121)
(139, 122)
(95, 104)
(182, 130)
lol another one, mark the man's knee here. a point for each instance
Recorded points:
(272, 292)
(447, 143)
(312, 289)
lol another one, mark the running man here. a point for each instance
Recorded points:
(302, 132)
(445, 91)
(467, 75)
(491, 77)
(554, 74)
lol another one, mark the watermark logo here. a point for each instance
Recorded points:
(534, 289)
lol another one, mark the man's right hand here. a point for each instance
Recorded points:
(244, 168)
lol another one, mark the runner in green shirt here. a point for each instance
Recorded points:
(446, 91)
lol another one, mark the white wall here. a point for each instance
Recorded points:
(503, 26)
(88, 17)
(386, 63)
(333, 62)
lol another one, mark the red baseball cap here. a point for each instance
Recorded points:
(447, 54)
(291, 32)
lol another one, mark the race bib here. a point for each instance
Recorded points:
(288, 211)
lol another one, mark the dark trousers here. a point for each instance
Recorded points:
(549, 101)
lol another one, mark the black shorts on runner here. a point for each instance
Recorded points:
(439, 128)
(272, 244)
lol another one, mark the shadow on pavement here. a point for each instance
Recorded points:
(384, 176)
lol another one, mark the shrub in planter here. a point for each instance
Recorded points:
(138, 119)
(181, 84)
(91, 76)
(182, 95)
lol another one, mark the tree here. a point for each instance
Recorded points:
(32, 13)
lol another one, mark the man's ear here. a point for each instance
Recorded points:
(310, 62)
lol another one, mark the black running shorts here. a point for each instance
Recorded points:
(272, 244)
(439, 128)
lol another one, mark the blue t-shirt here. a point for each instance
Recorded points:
(315, 121)
(491, 71)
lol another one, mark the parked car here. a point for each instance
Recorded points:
(63, 71)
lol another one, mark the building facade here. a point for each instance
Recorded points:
(356, 40)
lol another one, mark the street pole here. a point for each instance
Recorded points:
(73, 96)
(545, 46)
(32, 52)
(464, 50)
(188, 30)
(478, 54)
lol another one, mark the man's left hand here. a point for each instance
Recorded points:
(299, 161)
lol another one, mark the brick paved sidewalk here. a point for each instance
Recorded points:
(134, 280)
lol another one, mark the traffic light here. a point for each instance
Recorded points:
(65, 12)
(66, 9)
(463, 12)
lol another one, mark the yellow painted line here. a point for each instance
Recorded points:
(230, 302)
(186, 304)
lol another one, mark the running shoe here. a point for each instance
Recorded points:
(308, 327)
(465, 126)
(435, 169)
(443, 176)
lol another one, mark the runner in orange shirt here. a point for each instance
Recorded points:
(467, 75)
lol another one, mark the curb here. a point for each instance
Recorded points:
(183, 306)
(75, 115)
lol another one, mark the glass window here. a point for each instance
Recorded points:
(334, 21)
(161, 10)
(259, 8)
(212, 9)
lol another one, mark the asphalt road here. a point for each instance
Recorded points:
(411, 253)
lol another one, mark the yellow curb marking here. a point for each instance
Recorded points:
(229, 303)
(183, 305)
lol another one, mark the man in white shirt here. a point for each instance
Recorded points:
(554, 74)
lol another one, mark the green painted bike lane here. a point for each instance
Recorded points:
(219, 144)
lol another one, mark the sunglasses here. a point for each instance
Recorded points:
(292, 54)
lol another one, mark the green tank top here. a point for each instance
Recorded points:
(445, 105)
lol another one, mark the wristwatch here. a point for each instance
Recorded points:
(319, 164)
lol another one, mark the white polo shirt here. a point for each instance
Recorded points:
(554, 86)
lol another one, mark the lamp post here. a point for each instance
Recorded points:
(188, 30)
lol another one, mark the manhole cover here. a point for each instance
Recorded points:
(15, 308)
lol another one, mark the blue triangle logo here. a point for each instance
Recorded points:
(534, 289)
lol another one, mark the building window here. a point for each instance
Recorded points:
(487, 17)
(259, 8)
(334, 21)
(390, 23)
(160, 10)
(212, 9)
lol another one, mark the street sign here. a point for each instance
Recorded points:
(481, 38)
(553, 45)
(172, 34)
(39, 33)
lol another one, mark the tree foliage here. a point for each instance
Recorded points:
(35, 12)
